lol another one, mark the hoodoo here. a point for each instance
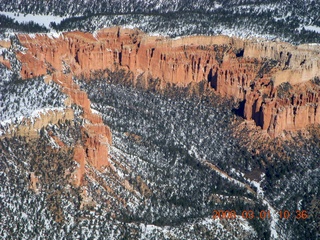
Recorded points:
(277, 83)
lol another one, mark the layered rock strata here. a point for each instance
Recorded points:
(250, 71)
(29, 127)
(95, 136)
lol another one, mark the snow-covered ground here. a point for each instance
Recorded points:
(309, 28)
(40, 19)
(312, 28)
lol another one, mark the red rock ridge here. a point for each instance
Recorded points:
(250, 71)
(96, 137)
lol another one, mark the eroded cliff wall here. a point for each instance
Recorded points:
(250, 71)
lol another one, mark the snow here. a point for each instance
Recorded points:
(32, 116)
(95, 34)
(312, 28)
(95, 112)
(245, 225)
(37, 113)
(27, 99)
(260, 192)
(40, 19)
(150, 228)
(24, 216)
(54, 35)
(273, 212)
(274, 220)
(157, 34)
(309, 28)
(299, 204)
(217, 5)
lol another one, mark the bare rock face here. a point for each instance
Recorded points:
(30, 128)
(249, 71)
(80, 157)
(96, 137)
(33, 182)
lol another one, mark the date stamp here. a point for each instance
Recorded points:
(249, 214)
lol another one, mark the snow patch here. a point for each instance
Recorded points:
(54, 35)
(260, 192)
(96, 112)
(312, 28)
(40, 19)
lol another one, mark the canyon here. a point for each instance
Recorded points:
(175, 146)
(252, 71)
(249, 71)
(274, 82)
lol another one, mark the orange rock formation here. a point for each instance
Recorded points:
(96, 136)
(250, 71)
